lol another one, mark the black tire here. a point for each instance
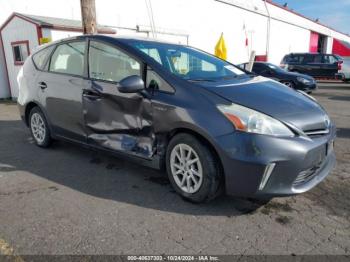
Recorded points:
(47, 140)
(212, 180)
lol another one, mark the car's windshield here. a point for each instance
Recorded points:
(188, 63)
(275, 68)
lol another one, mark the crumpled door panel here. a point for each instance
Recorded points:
(121, 122)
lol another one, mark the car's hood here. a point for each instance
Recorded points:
(298, 74)
(272, 98)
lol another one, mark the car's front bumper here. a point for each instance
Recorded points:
(299, 163)
(307, 88)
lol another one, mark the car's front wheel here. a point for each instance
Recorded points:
(39, 128)
(289, 84)
(193, 169)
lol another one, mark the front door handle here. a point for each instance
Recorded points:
(91, 94)
(42, 85)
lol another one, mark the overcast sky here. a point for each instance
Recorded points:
(334, 13)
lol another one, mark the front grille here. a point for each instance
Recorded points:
(306, 175)
(317, 132)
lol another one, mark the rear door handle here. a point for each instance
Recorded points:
(42, 85)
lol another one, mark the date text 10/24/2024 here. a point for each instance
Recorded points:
(172, 258)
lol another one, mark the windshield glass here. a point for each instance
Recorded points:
(274, 67)
(188, 63)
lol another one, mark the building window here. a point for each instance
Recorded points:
(20, 50)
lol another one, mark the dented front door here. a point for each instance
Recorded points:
(116, 121)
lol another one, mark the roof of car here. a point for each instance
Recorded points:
(309, 53)
(111, 39)
(115, 39)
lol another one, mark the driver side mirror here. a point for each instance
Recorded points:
(131, 84)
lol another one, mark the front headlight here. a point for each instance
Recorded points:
(303, 80)
(251, 121)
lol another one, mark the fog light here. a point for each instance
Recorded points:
(268, 170)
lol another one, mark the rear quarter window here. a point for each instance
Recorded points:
(40, 58)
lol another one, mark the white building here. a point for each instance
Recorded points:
(269, 29)
(21, 34)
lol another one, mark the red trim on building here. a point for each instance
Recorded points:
(26, 42)
(7, 73)
(314, 42)
(261, 58)
(39, 32)
(339, 48)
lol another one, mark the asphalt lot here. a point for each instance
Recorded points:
(69, 200)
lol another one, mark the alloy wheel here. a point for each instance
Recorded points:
(186, 168)
(289, 84)
(37, 125)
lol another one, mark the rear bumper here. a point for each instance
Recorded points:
(339, 76)
(21, 110)
(299, 163)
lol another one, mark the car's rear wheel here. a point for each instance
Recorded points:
(289, 84)
(193, 169)
(39, 128)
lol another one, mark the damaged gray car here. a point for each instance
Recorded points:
(213, 127)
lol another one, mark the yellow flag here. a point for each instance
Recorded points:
(220, 48)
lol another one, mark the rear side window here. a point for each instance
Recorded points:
(110, 64)
(309, 59)
(318, 59)
(41, 57)
(68, 59)
(330, 59)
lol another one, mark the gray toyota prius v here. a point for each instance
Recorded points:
(213, 127)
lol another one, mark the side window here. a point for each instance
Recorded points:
(40, 58)
(110, 64)
(155, 82)
(317, 59)
(308, 59)
(68, 59)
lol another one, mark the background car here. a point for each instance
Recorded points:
(345, 69)
(291, 79)
(313, 64)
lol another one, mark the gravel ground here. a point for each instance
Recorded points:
(69, 200)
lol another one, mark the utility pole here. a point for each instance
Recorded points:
(88, 16)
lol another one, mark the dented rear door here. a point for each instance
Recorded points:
(114, 120)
